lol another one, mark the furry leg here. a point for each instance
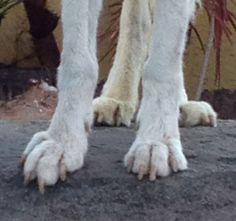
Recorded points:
(158, 139)
(119, 98)
(60, 149)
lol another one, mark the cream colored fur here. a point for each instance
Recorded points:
(195, 113)
(157, 149)
(119, 99)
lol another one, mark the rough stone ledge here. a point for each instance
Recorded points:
(103, 191)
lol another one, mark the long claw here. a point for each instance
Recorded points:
(142, 171)
(62, 172)
(130, 164)
(41, 186)
(27, 179)
(153, 172)
(22, 159)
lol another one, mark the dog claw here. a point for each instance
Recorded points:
(153, 172)
(62, 172)
(28, 178)
(141, 172)
(22, 159)
(41, 187)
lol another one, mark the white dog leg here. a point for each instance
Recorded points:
(119, 98)
(158, 139)
(62, 147)
(195, 113)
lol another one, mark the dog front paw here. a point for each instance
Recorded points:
(155, 159)
(197, 113)
(113, 112)
(48, 158)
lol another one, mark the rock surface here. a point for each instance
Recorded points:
(103, 191)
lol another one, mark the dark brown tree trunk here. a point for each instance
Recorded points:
(42, 23)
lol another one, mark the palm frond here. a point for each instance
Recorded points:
(225, 24)
(219, 10)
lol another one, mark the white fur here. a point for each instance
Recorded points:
(50, 154)
(119, 99)
(195, 113)
(162, 81)
(62, 147)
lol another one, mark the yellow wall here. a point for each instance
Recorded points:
(16, 47)
(194, 59)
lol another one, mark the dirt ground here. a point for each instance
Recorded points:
(103, 191)
(34, 104)
(38, 103)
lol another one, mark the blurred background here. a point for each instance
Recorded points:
(31, 41)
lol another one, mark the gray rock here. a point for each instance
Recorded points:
(103, 191)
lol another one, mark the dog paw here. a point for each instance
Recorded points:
(155, 159)
(113, 112)
(48, 158)
(195, 113)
